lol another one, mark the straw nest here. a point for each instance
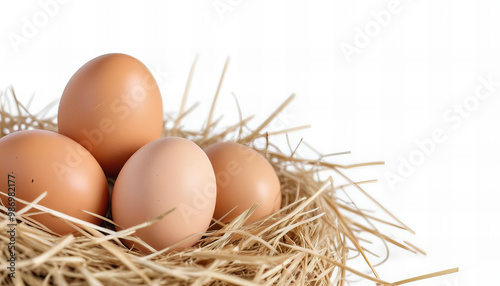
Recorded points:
(308, 242)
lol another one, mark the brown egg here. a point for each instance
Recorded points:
(165, 174)
(112, 106)
(244, 178)
(35, 161)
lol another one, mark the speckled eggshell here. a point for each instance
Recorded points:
(37, 161)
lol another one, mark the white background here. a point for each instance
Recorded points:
(398, 88)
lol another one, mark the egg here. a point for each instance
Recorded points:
(112, 106)
(37, 161)
(168, 173)
(244, 178)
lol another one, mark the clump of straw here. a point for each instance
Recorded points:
(308, 242)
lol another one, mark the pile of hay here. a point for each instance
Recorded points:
(308, 242)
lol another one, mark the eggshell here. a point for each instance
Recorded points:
(35, 161)
(244, 178)
(112, 106)
(165, 174)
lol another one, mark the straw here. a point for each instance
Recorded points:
(310, 241)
